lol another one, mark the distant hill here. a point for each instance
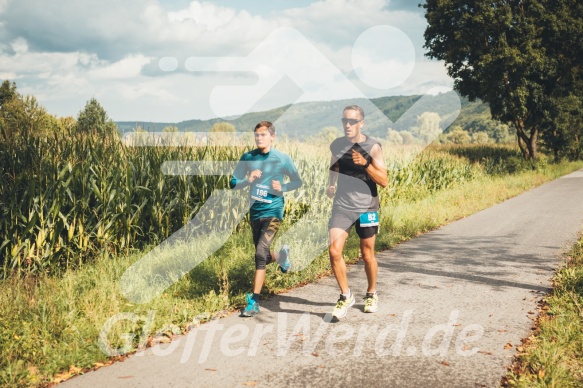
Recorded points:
(303, 119)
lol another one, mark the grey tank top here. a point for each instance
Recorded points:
(355, 191)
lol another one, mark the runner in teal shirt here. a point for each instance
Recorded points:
(263, 170)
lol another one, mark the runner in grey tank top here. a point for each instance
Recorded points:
(356, 168)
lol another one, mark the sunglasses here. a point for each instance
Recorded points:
(350, 121)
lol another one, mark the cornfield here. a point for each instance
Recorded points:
(68, 197)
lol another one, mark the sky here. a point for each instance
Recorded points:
(175, 60)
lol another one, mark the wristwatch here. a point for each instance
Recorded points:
(366, 164)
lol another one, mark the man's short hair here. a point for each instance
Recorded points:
(356, 108)
(270, 127)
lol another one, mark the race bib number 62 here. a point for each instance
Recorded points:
(369, 219)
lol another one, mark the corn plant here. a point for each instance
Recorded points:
(67, 197)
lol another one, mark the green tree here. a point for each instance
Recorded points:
(458, 136)
(222, 133)
(7, 92)
(565, 135)
(7, 95)
(563, 33)
(394, 137)
(427, 128)
(21, 117)
(223, 126)
(480, 137)
(93, 118)
(498, 51)
(500, 132)
(407, 137)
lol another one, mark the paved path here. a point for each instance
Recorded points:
(450, 301)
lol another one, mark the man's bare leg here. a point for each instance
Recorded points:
(337, 239)
(370, 263)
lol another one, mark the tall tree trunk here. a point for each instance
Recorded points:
(527, 144)
(522, 146)
(532, 148)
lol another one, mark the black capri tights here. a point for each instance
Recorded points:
(264, 230)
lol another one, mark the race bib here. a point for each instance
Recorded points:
(369, 219)
(260, 193)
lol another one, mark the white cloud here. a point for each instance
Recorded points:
(31, 64)
(205, 15)
(19, 45)
(112, 50)
(151, 89)
(128, 67)
(340, 22)
(425, 77)
(87, 59)
(8, 75)
(3, 5)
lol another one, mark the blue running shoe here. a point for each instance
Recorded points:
(283, 261)
(252, 308)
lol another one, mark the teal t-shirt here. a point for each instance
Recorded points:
(274, 165)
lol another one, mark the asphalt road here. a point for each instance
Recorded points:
(450, 302)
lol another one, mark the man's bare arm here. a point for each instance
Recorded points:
(332, 177)
(377, 170)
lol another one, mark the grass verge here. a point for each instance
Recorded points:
(50, 326)
(553, 355)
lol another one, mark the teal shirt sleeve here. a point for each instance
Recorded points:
(238, 179)
(291, 171)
